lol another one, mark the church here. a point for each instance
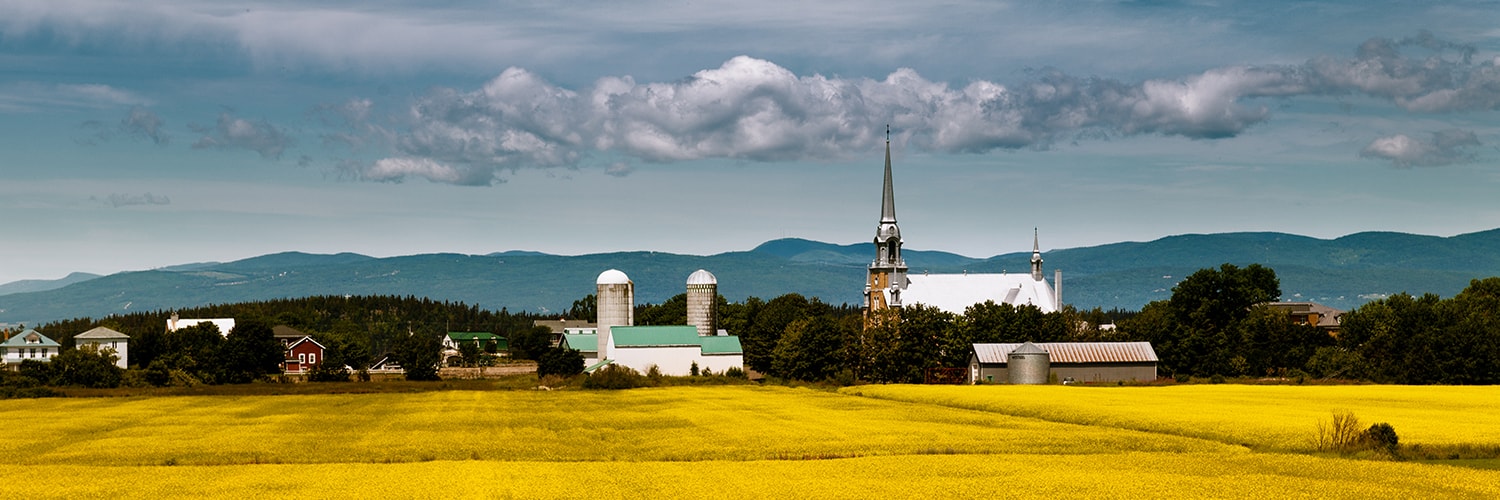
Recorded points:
(891, 286)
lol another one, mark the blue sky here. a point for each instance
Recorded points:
(139, 135)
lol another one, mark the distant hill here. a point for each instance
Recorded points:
(25, 286)
(1342, 273)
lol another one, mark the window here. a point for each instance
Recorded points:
(301, 357)
(312, 358)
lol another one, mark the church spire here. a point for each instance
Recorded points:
(888, 200)
(1036, 255)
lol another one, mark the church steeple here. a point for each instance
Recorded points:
(888, 271)
(1036, 256)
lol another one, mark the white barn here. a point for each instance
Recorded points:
(673, 350)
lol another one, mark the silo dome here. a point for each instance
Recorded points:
(612, 277)
(701, 277)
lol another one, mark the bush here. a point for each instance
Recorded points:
(653, 375)
(693, 370)
(1383, 436)
(614, 377)
(1182, 378)
(328, 372)
(734, 372)
(1341, 433)
(1216, 379)
(561, 362)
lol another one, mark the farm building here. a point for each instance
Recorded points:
(104, 338)
(1080, 361)
(303, 355)
(29, 344)
(673, 350)
(224, 324)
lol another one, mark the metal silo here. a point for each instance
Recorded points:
(1028, 364)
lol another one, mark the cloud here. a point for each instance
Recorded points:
(754, 109)
(231, 132)
(118, 200)
(20, 97)
(619, 169)
(139, 123)
(1443, 148)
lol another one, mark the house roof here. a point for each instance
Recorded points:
(305, 339)
(561, 325)
(956, 292)
(101, 333)
(724, 344)
(1328, 317)
(656, 336)
(583, 342)
(1074, 352)
(286, 332)
(30, 338)
(469, 336)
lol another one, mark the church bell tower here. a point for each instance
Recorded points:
(888, 271)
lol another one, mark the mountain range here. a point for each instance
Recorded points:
(1343, 273)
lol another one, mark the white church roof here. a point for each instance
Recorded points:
(956, 292)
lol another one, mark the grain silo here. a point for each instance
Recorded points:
(616, 305)
(1028, 364)
(702, 296)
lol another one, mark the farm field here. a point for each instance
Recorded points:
(740, 441)
(1264, 417)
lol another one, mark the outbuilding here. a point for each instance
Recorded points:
(1078, 361)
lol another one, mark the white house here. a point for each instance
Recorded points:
(29, 344)
(104, 338)
(224, 324)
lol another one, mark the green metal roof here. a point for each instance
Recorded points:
(463, 336)
(598, 365)
(728, 344)
(21, 340)
(655, 336)
(583, 342)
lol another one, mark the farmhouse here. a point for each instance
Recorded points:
(1312, 313)
(302, 352)
(104, 338)
(1080, 361)
(29, 344)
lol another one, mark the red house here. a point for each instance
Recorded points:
(302, 355)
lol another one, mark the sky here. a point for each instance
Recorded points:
(137, 135)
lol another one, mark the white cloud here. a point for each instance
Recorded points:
(118, 200)
(33, 96)
(1443, 148)
(231, 132)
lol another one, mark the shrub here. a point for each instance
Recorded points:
(614, 377)
(1341, 433)
(1216, 379)
(328, 372)
(1182, 378)
(562, 362)
(1383, 436)
(734, 372)
(653, 375)
(693, 370)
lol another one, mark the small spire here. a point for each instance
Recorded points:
(1036, 245)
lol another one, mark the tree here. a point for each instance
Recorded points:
(761, 339)
(811, 349)
(419, 354)
(559, 361)
(469, 353)
(85, 367)
(1198, 330)
(250, 352)
(586, 309)
(530, 342)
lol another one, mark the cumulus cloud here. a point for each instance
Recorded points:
(139, 123)
(231, 132)
(1442, 148)
(118, 200)
(754, 109)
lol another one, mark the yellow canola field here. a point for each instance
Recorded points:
(667, 424)
(1131, 475)
(1264, 417)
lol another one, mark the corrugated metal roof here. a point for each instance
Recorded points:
(1075, 352)
(956, 292)
(583, 342)
(655, 336)
(722, 345)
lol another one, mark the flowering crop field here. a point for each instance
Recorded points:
(742, 442)
(1279, 418)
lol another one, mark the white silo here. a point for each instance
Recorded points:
(702, 296)
(1028, 364)
(616, 305)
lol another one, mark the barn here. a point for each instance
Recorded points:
(1079, 361)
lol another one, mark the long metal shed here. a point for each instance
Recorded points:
(1082, 361)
